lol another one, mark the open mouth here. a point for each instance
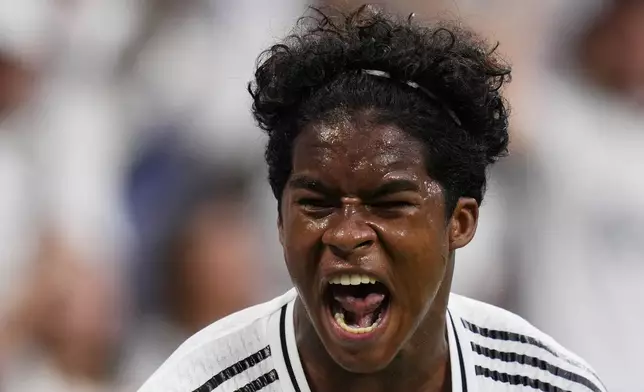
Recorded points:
(357, 304)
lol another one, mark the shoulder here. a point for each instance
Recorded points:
(221, 349)
(501, 347)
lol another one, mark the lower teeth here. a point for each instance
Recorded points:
(339, 318)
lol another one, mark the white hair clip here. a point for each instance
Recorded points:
(383, 74)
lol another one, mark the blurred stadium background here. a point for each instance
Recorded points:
(134, 208)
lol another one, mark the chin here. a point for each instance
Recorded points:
(364, 362)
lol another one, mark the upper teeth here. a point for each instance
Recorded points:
(352, 279)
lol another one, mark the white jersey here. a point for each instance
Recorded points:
(255, 350)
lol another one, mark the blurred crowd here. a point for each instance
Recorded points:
(134, 209)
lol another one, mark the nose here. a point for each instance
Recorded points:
(350, 234)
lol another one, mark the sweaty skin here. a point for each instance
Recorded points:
(359, 196)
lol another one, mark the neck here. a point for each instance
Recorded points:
(422, 365)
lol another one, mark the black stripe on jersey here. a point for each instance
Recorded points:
(515, 337)
(259, 383)
(514, 379)
(508, 336)
(460, 354)
(287, 358)
(234, 370)
(534, 362)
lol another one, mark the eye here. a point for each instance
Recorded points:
(315, 204)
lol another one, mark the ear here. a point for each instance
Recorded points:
(462, 225)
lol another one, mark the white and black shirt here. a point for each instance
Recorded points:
(255, 350)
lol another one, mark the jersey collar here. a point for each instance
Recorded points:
(289, 365)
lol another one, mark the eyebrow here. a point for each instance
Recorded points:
(395, 186)
(389, 187)
(311, 184)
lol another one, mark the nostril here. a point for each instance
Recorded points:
(338, 251)
(343, 252)
(364, 244)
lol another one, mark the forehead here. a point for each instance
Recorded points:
(359, 149)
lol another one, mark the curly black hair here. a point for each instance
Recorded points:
(319, 70)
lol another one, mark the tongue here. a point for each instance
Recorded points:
(362, 308)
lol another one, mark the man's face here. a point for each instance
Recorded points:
(359, 208)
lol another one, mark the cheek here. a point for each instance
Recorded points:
(301, 242)
(420, 251)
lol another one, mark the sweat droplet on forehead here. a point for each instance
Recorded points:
(360, 147)
(331, 135)
(432, 188)
(357, 159)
